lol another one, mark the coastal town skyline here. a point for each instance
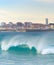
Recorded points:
(27, 26)
(14, 22)
(26, 10)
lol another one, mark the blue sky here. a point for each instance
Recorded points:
(26, 10)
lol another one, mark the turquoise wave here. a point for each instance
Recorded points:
(22, 49)
(26, 43)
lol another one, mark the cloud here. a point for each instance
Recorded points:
(3, 11)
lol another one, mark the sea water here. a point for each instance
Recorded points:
(43, 42)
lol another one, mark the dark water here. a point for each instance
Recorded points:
(30, 48)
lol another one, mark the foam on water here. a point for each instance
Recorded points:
(48, 51)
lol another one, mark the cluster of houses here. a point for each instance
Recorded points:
(22, 27)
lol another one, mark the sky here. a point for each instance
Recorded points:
(26, 11)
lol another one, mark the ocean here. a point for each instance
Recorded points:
(27, 48)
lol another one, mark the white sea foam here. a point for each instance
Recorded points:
(48, 51)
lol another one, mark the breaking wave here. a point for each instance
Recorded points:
(30, 42)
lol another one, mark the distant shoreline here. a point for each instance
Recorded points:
(40, 30)
(28, 30)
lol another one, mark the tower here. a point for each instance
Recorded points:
(46, 21)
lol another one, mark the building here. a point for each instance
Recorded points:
(19, 25)
(51, 25)
(10, 24)
(46, 21)
(27, 25)
(3, 24)
(36, 26)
